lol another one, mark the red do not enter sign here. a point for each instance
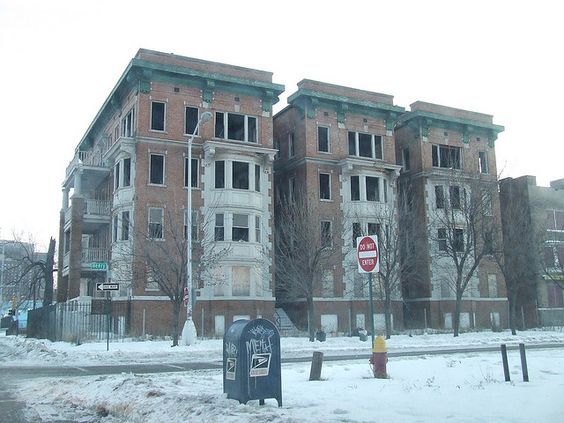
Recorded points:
(367, 254)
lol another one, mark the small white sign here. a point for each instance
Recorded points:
(231, 366)
(260, 364)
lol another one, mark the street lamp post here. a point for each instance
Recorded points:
(189, 330)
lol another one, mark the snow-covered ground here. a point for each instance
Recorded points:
(465, 387)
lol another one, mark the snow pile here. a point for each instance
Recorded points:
(461, 388)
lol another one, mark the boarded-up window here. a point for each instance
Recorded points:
(241, 278)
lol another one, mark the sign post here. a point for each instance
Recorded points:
(368, 262)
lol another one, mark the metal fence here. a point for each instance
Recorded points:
(80, 322)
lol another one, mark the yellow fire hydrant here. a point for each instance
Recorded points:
(379, 358)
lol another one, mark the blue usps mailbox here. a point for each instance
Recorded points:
(251, 361)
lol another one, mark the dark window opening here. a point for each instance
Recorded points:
(155, 223)
(483, 162)
(442, 238)
(193, 171)
(235, 127)
(365, 145)
(116, 176)
(125, 226)
(378, 146)
(191, 120)
(439, 197)
(405, 158)
(257, 178)
(324, 186)
(458, 241)
(372, 189)
(157, 116)
(355, 188)
(323, 139)
(219, 233)
(220, 174)
(374, 229)
(352, 143)
(157, 169)
(219, 125)
(446, 157)
(126, 172)
(326, 235)
(454, 192)
(251, 129)
(240, 175)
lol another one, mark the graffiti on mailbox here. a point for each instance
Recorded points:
(259, 350)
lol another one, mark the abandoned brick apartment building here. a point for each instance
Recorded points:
(349, 149)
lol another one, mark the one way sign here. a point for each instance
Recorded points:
(260, 364)
(107, 287)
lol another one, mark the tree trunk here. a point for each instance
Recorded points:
(388, 312)
(48, 274)
(512, 298)
(456, 317)
(311, 318)
(175, 322)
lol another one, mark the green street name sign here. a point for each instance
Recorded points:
(100, 265)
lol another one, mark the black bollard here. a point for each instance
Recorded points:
(505, 363)
(316, 363)
(524, 363)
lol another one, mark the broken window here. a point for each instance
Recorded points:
(193, 171)
(439, 197)
(483, 162)
(156, 169)
(190, 120)
(158, 115)
(324, 186)
(355, 188)
(219, 232)
(240, 230)
(125, 226)
(446, 156)
(239, 127)
(126, 172)
(326, 234)
(323, 139)
(372, 189)
(155, 223)
(240, 175)
(220, 174)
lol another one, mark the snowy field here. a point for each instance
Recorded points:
(463, 387)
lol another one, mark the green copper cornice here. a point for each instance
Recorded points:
(207, 91)
(363, 106)
(184, 72)
(341, 112)
(437, 120)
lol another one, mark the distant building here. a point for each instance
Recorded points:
(534, 223)
(128, 180)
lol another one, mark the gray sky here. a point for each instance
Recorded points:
(60, 59)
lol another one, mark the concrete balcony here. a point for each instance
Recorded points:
(93, 255)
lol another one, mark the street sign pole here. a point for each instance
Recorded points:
(371, 306)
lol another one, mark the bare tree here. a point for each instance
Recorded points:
(302, 249)
(33, 270)
(158, 258)
(385, 221)
(461, 227)
(516, 253)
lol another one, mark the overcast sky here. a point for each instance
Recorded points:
(60, 59)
